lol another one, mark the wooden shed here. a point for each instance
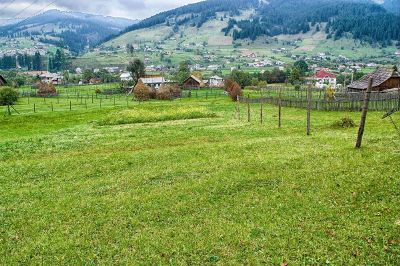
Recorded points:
(383, 79)
(192, 82)
(3, 81)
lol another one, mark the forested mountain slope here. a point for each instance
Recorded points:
(359, 19)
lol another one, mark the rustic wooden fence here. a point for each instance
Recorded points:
(341, 102)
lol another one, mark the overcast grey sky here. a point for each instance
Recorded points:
(135, 9)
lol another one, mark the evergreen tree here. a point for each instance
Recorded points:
(37, 62)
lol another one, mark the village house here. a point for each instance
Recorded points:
(51, 78)
(213, 67)
(384, 80)
(154, 81)
(3, 81)
(193, 82)
(216, 81)
(126, 76)
(324, 77)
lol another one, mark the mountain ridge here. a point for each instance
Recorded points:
(72, 30)
(293, 17)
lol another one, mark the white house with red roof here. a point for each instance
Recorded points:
(324, 77)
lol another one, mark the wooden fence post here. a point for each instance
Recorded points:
(309, 99)
(280, 108)
(34, 107)
(398, 91)
(8, 109)
(70, 105)
(52, 108)
(364, 114)
(248, 110)
(238, 107)
(261, 111)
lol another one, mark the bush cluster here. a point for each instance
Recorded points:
(345, 122)
(168, 92)
(46, 90)
(8, 96)
(141, 91)
(233, 88)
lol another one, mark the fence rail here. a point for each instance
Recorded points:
(350, 102)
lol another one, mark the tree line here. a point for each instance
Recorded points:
(364, 21)
(37, 62)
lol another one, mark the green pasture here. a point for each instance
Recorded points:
(185, 182)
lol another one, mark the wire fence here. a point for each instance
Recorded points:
(86, 98)
(321, 101)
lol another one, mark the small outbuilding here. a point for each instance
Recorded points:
(383, 80)
(192, 82)
(216, 81)
(3, 81)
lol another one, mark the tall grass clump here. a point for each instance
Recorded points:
(155, 114)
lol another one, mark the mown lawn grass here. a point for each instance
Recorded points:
(201, 191)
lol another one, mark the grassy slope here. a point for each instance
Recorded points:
(197, 191)
(313, 43)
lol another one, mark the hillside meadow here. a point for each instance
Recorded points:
(185, 182)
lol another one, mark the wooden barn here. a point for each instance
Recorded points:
(192, 82)
(383, 80)
(3, 81)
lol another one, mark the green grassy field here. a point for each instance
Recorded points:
(184, 182)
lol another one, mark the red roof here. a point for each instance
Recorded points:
(323, 73)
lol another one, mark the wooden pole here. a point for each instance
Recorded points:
(398, 91)
(280, 108)
(309, 98)
(8, 110)
(364, 114)
(261, 111)
(34, 108)
(248, 110)
(238, 107)
(70, 105)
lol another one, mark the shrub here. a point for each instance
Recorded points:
(8, 96)
(152, 114)
(345, 122)
(175, 91)
(234, 90)
(142, 91)
(153, 93)
(164, 94)
(46, 90)
(168, 92)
